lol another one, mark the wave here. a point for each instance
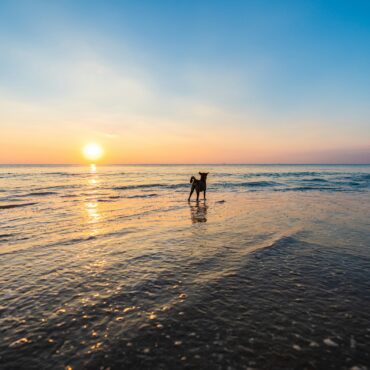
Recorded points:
(148, 186)
(63, 173)
(247, 184)
(279, 245)
(114, 198)
(10, 198)
(315, 183)
(9, 206)
(68, 186)
(184, 185)
(282, 242)
(316, 179)
(143, 196)
(8, 174)
(286, 174)
(6, 236)
(76, 240)
(298, 175)
(140, 186)
(312, 188)
(258, 183)
(363, 176)
(39, 193)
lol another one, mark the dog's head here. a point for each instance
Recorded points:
(203, 175)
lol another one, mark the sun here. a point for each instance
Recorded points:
(92, 151)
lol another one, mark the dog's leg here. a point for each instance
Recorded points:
(197, 195)
(191, 192)
(204, 193)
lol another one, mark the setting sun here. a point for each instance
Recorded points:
(92, 151)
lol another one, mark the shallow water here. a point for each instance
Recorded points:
(112, 267)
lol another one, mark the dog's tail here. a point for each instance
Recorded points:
(192, 179)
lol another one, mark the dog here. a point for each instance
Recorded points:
(199, 185)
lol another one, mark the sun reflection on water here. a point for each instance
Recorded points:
(93, 181)
(92, 168)
(92, 205)
(92, 209)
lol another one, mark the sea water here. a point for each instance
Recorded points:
(111, 267)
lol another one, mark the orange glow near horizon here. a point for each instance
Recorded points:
(61, 145)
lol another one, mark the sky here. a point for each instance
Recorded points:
(185, 81)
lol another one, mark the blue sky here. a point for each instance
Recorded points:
(250, 81)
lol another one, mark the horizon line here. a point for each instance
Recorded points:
(186, 164)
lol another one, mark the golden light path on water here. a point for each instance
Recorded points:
(92, 205)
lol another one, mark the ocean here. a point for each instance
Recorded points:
(110, 267)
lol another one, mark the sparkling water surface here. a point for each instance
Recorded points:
(111, 267)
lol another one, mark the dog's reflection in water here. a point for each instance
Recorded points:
(198, 212)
